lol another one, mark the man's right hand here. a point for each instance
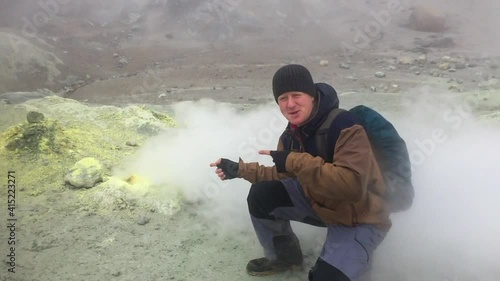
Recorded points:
(226, 169)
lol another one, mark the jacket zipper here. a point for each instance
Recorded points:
(296, 136)
(354, 215)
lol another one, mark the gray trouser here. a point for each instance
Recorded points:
(349, 249)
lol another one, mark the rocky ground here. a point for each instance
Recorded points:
(111, 73)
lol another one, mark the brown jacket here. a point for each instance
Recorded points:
(347, 191)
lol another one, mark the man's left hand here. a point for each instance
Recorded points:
(279, 158)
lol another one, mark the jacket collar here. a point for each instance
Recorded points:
(326, 100)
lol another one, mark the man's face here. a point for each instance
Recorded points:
(296, 107)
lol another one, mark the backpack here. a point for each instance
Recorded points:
(390, 152)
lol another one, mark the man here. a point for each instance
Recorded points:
(345, 196)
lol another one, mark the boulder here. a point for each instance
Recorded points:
(35, 117)
(428, 19)
(85, 173)
(406, 60)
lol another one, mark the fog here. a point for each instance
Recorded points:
(450, 232)
(471, 22)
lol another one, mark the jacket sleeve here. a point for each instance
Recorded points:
(344, 179)
(253, 172)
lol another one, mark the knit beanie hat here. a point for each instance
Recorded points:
(293, 78)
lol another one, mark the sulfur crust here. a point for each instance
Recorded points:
(43, 153)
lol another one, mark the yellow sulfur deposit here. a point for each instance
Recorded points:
(44, 151)
(45, 137)
(138, 184)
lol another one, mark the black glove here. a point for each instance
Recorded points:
(230, 168)
(279, 159)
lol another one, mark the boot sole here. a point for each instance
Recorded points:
(293, 268)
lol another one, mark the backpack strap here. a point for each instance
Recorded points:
(322, 134)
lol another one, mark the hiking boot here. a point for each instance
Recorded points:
(265, 267)
(288, 257)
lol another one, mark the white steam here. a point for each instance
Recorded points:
(451, 231)
(207, 131)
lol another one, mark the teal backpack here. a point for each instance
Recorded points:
(390, 152)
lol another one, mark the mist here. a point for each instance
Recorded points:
(227, 21)
(209, 130)
(450, 233)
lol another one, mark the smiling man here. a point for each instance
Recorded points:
(344, 194)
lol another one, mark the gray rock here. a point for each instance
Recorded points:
(131, 143)
(422, 59)
(344, 65)
(394, 88)
(444, 66)
(460, 65)
(455, 88)
(446, 59)
(35, 117)
(85, 173)
(68, 89)
(122, 62)
(379, 74)
(143, 220)
(427, 18)
(406, 60)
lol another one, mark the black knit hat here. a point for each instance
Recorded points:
(293, 78)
